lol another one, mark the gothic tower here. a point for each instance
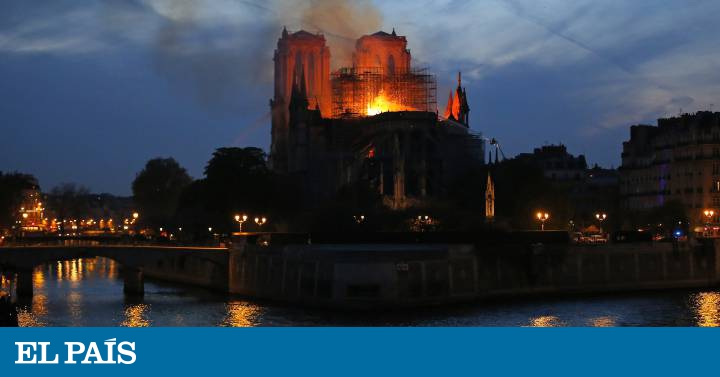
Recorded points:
(382, 50)
(300, 56)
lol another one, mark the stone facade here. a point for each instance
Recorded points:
(677, 160)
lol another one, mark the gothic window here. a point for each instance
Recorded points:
(391, 65)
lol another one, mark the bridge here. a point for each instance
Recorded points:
(205, 266)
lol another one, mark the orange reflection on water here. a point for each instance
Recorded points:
(38, 278)
(4, 283)
(241, 314)
(707, 307)
(603, 322)
(39, 305)
(136, 316)
(546, 321)
(27, 318)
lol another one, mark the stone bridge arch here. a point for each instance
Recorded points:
(206, 267)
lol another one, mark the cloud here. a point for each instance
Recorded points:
(618, 62)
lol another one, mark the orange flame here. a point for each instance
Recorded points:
(382, 104)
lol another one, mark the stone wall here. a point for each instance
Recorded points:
(409, 275)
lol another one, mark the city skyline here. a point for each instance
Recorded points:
(119, 84)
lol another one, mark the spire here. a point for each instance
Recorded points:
(284, 32)
(459, 79)
(393, 33)
(489, 199)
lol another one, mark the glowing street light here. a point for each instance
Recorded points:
(601, 217)
(241, 219)
(709, 214)
(135, 216)
(542, 216)
(359, 218)
(260, 221)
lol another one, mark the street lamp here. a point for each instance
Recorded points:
(260, 221)
(241, 219)
(601, 217)
(359, 219)
(135, 216)
(709, 214)
(542, 216)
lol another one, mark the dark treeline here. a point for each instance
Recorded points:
(236, 181)
(12, 186)
(239, 181)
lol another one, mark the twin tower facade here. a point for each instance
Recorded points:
(302, 59)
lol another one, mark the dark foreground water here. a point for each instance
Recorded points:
(88, 292)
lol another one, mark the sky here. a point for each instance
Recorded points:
(90, 90)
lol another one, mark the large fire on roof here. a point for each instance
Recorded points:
(381, 80)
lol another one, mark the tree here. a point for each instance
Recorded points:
(521, 189)
(68, 201)
(157, 188)
(12, 186)
(238, 180)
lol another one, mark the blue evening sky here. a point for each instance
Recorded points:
(90, 89)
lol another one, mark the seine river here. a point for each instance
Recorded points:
(88, 292)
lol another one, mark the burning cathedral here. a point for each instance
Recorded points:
(375, 123)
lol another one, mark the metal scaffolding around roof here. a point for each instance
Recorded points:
(355, 89)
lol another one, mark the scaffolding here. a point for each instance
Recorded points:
(354, 91)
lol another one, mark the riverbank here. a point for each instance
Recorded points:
(370, 276)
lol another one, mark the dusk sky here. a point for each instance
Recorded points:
(93, 89)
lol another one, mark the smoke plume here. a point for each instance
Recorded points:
(222, 50)
(342, 22)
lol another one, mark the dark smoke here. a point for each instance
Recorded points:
(342, 22)
(222, 64)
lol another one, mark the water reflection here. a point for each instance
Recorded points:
(61, 291)
(546, 321)
(605, 321)
(89, 292)
(241, 314)
(707, 306)
(136, 316)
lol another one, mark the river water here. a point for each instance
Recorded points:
(89, 292)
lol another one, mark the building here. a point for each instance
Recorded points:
(679, 159)
(300, 57)
(556, 163)
(377, 127)
(31, 217)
